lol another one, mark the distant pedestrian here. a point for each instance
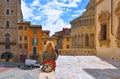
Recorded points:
(56, 50)
(18, 66)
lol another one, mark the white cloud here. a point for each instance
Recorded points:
(78, 13)
(37, 17)
(70, 3)
(27, 11)
(51, 12)
(35, 3)
(59, 25)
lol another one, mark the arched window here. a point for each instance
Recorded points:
(7, 24)
(104, 33)
(7, 0)
(20, 28)
(7, 12)
(75, 40)
(45, 42)
(7, 41)
(86, 40)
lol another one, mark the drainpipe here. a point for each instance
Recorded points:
(112, 17)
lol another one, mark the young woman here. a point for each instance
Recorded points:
(49, 57)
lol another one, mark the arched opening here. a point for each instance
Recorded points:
(7, 40)
(6, 56)
(86, 40)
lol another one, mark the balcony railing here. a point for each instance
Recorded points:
(73, 52)
(12, 43)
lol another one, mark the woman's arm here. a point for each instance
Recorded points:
(55, 55)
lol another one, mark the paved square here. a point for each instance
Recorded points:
(71, 67)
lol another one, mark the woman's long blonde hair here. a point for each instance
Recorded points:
(49, 47)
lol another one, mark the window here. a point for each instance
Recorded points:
(7, 41)
(25, 38)
(47, 33)
(67, 39)
(80, 22)
(25, 27)
(45, 42)
(68, 46)
(20, 46)
(12, 11)
(7, 0)
(20, 28)
(34, 50)
(34, 41)
(7, 12)
(20, 38)
(86, 40)
(90, 21)
(103, 32)
(25, 46)
(7, 24)
(34, 31)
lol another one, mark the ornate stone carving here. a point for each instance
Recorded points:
(98, 2)
(104, 15)
(117, 9)
(105, 43)
(104, 18)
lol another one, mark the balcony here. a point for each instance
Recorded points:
(11, 43)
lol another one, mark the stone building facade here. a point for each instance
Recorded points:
(64, 40)
(23, 40)
(83, 28)
(10, 14)
(34, 41)
(108, 29)
(46, 37)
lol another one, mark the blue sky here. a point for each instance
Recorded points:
(53, 15)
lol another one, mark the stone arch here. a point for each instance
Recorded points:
(6, 56)
(7, 40)
(82, 40)
(79, 40)
(91, 40)
(86, 40)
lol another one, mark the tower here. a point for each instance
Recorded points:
(10, 14)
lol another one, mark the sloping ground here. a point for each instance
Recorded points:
(86, 67)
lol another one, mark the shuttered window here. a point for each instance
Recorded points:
(34, 41)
